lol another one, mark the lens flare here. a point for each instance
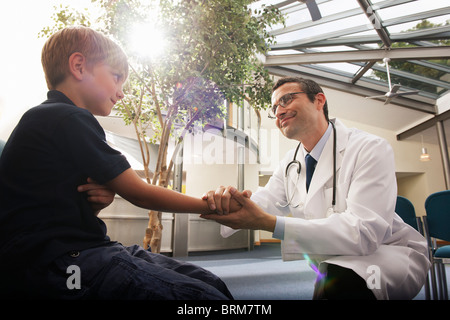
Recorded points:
(314, 267)
(148, 40)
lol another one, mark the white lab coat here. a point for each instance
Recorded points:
(363, 232)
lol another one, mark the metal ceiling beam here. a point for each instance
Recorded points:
(299, 6)
(424, 125)
(293, 6)
(307, 24)
(376, 21)
(319, 38)
(337, 38)
(309, 64)
(357, 11)
(416, 77)
(359, 55)
(427, 64)
(391, 3)
(364, 67)
(367, 9)
(343, 86)
(431, 65)
(417, 16)
(437, 33)
(379, 85)
(405, 75)
(363, 71)
(282, 4)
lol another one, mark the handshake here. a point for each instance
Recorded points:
(234, 209)
(228, 206)
(225, 200)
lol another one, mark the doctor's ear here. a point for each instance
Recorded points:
(77, 65)
(320, 99)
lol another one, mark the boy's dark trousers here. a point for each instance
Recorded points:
(116, 272)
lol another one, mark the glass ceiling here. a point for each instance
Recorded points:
(346, 44)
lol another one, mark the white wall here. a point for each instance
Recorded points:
(416, 179)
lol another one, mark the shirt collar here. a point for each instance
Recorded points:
(318, 148)
(55, 95)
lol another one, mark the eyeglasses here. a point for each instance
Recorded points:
(284, 101)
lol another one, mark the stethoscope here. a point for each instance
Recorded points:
(295, 162)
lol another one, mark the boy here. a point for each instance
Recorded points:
(47, 227)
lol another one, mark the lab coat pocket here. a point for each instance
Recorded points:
(340, 204)
(328, 195)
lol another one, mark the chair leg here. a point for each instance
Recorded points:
(442, 279)
(439, 278)
(431, 245)
(427, 288)
(433, 280)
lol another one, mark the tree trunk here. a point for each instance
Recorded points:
(153, 233)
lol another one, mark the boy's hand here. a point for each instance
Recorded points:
(221, 201)
(250, 216)
(98, 195)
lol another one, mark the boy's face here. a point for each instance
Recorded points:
(102, 88)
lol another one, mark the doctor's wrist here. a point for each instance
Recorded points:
(269, 223)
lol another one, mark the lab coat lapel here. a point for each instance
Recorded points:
(323, 174)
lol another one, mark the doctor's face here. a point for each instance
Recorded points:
(296, 115)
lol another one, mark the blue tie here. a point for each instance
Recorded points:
(310, 166)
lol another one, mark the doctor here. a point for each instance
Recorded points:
(341, 220)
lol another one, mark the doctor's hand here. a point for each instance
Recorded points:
(99, 196)
(249, 216)
(221, 201)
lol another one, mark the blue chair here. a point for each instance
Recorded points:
(405, 209)
(437, 226)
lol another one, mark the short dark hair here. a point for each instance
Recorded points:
(309, 86)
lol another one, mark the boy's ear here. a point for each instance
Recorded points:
(77, 65)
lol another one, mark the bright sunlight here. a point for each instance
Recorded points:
(147, 40)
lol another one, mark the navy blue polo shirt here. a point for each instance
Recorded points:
(55, 147)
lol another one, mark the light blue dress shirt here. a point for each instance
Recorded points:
(278, 232)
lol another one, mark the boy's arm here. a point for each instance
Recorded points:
(132, 188)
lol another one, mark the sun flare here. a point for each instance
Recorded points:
(148, 40)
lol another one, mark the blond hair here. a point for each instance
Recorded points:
(92, 44)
